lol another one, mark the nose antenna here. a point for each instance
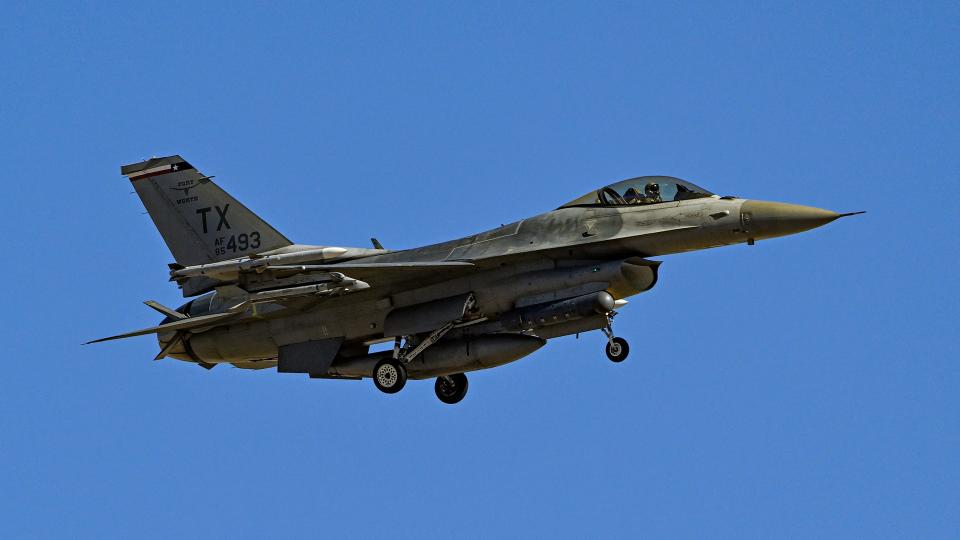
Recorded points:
(852, 214)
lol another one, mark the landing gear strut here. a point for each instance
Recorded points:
(617, 347)
(451, 388)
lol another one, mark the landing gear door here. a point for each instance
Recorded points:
(312, 357)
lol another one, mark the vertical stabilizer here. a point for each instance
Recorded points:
(199, 222)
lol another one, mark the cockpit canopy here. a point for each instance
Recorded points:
(641, 191)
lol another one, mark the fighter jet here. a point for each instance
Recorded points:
(259, 300)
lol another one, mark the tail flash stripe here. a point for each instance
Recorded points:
(163, 169)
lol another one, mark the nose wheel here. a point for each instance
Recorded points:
(617, 347)
(451, 388)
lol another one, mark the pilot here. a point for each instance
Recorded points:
(632, 196)
(652, 193)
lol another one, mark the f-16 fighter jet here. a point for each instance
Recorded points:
(260, 301)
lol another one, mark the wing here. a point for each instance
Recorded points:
(283, 283)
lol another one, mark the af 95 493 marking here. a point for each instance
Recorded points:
(237, 243)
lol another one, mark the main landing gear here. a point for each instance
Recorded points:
(451, 388)
(617, 347)
(390, 374)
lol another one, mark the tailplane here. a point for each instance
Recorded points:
(199, 222)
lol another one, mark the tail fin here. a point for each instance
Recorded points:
(199, 222)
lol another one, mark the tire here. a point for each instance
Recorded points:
(389, 376)
(618, 349)
(451, 393)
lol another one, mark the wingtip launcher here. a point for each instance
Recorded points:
(254, 264)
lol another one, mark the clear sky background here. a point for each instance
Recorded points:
(805, 387)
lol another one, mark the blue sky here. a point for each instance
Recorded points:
(804, 387)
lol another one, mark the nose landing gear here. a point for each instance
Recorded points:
(617, 347)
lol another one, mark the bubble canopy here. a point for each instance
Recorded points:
(642, 190)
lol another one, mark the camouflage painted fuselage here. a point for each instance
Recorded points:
(559, 254)
(472, 303)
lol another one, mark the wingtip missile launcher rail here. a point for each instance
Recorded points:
(232, 268)
(339, 285)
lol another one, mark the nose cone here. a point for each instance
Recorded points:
(763, 219)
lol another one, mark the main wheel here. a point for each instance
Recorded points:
(617, 349)
(389, 376)
(452, 388)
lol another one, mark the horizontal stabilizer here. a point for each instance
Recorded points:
(169, 312)
(177, 340)
(182, 324)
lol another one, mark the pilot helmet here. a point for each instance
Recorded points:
(652, 189)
